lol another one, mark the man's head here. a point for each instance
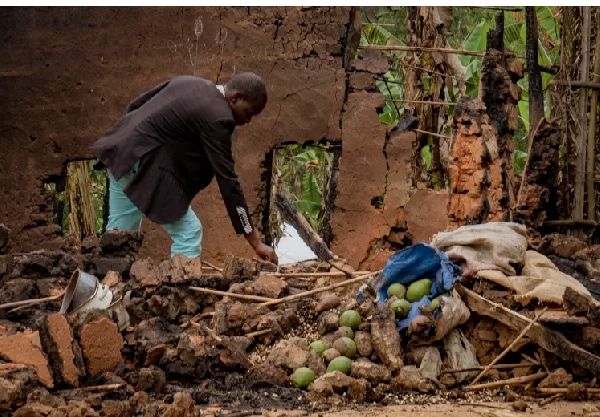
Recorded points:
(247, 96)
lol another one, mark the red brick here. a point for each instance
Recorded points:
(25, 348)
(101, 344)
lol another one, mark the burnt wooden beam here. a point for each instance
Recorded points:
(536, 94)
(549, 340)
(495, 37)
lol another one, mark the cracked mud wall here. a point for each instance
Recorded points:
(68, 74)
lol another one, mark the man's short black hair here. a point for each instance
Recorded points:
(251, 86)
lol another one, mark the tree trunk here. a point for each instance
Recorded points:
(78, 193)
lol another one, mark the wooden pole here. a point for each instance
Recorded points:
(580, 161)
(422, 49)
(509, 347)
(591, 140)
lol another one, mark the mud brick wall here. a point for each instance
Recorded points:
(69, 73)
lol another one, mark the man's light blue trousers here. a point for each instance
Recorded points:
(186, 232)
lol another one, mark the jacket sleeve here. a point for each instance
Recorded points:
(217, 144)
(144, 97)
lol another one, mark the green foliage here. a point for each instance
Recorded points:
(469, 31)
(303, 178)
(98, 187)
(98, 192)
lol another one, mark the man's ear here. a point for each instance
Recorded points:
(236, 97)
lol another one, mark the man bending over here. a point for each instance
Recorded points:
(171, 142)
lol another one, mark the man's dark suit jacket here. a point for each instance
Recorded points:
(181, 130)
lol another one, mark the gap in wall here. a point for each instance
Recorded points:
(305, 175)
(80, 199)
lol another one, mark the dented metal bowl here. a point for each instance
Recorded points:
(81, 289)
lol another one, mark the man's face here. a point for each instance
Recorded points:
(242, 110)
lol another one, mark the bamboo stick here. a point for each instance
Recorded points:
(511, 381)
(591, 139)
(232, 295)
(509, 347)
(422, 49)
(31, 302)
(318, 290)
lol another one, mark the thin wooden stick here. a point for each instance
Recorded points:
(554, 391)
(433, 103)
(313, 274)
(232, 295)
(259, 333)
(502, 9)
(102, 388)
(422, 49)
(509, 347)
(530, 359)
(570, 223)
(511, 381)
(31, 302)
(216, 268)
(500, 366)
(549, 400)
(437, 135)
(576, 84)
(318, 290)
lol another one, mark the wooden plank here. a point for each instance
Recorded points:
(548, 339)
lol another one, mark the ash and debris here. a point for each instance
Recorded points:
(181, 352)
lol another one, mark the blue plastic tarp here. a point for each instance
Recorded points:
(412, 264)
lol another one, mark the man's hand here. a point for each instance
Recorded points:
(264, 251)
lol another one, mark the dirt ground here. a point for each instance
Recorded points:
(555, 409)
